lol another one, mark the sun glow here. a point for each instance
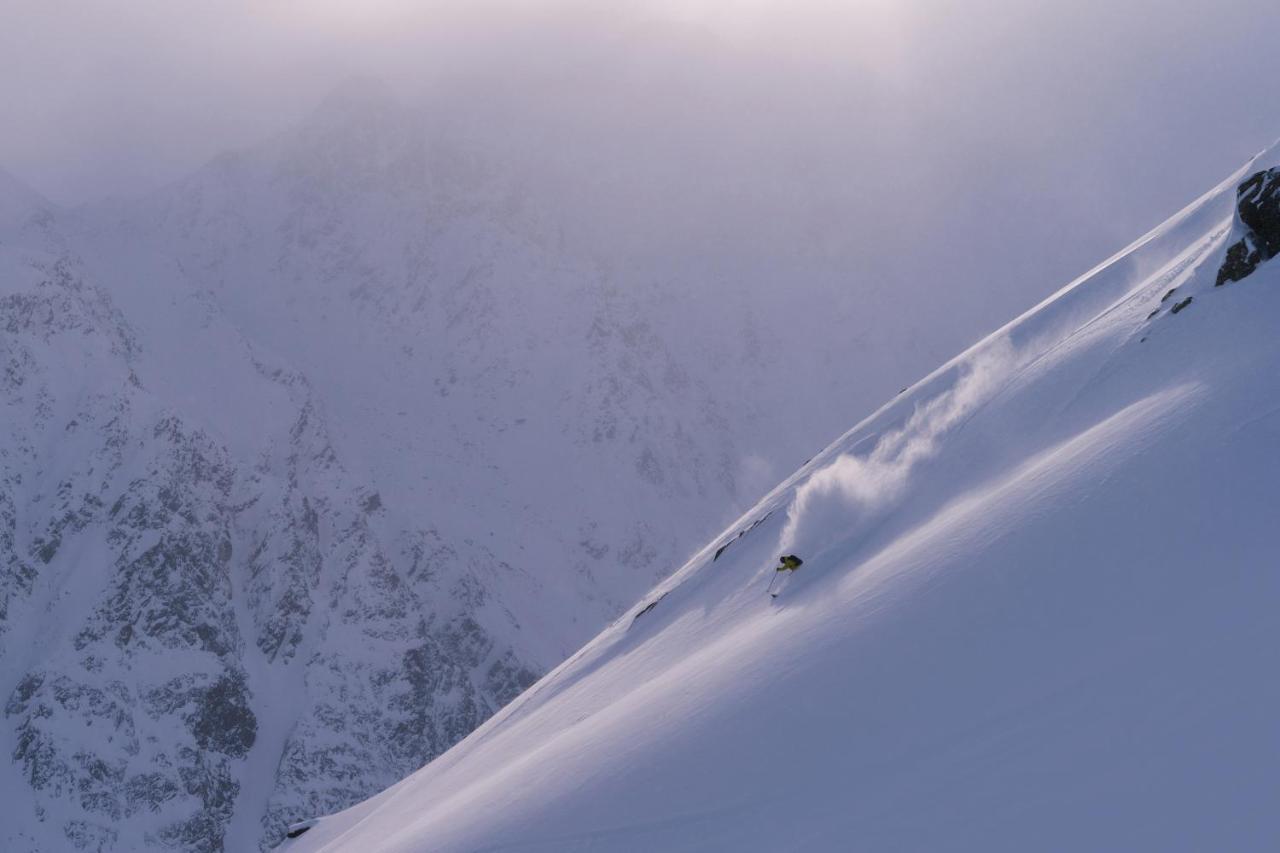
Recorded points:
(874, 31)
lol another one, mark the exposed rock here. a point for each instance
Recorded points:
(1258, 208)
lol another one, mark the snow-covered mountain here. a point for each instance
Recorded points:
(295, 494)
(315, 459)
(1037, 611)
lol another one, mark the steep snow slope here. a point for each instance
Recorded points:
(1037, 612)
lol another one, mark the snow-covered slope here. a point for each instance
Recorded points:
(1037, 611)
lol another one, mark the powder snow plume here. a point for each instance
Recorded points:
(854, 490)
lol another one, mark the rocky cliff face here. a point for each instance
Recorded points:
(190, 636)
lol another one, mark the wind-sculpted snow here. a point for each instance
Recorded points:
(1036, 612)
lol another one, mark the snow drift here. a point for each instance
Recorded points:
(1037, 612)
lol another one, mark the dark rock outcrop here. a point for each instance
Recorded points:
(1258, 206)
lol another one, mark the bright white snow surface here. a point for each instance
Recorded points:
(1038, 611)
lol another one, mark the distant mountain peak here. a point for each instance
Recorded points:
(360, 135)
(360, 90)
(358, 100)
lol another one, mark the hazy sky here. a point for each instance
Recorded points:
(1027, 139)
(108, 95)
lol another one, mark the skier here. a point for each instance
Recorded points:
(789, 563)
(786, 563)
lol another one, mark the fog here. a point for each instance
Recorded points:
(986, 150)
